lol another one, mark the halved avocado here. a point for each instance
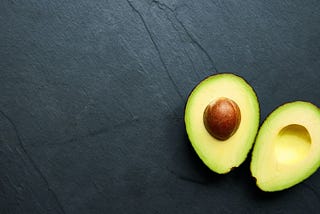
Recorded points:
(287, 148)
(222, 138)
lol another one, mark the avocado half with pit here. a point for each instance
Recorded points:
(287, 148)
(222, 119)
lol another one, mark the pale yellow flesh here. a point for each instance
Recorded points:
(287, 148)
(222, 156)
(292, 144)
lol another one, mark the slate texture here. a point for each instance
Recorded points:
(92, 95)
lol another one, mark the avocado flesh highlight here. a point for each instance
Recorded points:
(222, 156)
(287, 148)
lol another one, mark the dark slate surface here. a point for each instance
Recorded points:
(92, 96)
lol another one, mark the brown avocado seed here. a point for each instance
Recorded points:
(222, 118)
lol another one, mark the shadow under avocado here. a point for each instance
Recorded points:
(185, 163)
(248, 182)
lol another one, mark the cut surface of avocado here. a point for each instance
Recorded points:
(287, 148)
(222, 155)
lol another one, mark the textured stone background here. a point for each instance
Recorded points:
(92, 95)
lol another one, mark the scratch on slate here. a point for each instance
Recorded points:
(214, 2)
(173, 11)
(194, 69)
(156, 47)
(185, 178)
(97, 132)
(32, 161)
(162, 5)
(198, 44)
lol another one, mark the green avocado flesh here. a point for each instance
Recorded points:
(222, 156)
(287, 148)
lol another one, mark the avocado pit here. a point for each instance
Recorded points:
(222, 118)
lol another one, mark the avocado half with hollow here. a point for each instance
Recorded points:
(287, 148)
(222, 119)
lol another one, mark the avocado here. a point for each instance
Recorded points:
(287, 148)
(222, 118)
